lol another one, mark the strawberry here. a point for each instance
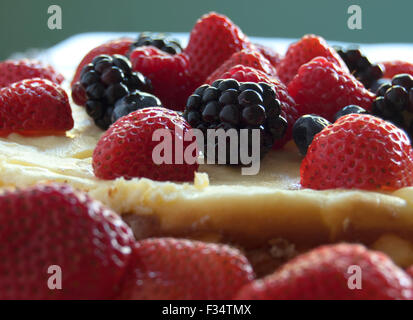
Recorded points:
(322, 88)
(393, 68)
(410, 271)
(54, 225)
(359, 151)
(118, 46)
(303, 51)
(170, 75)
(273, 56)
(330, 273)
(288, 111)
(247, 58)
(126, 149)
(34, 107)
(16, 70)
(175, 269)
(213, 40)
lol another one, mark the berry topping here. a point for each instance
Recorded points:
(16, 70)
(55, 226)
(127, 148)
(288, 111)
(118, 46)
(185, 270)
(303, 51)
(305, 128)
(322, 88)
(358, 151)
(360, 66)
(323, 274)
(158, 40)
(229, 104)
(34, 107)
(394, 102)
(105, 80)
(349, 110)
(213, 40)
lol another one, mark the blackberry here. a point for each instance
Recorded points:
(394, 102)
(158, 40)
(360, 66)
(132, 102)
(105, 80)
(349, 110)
(229, 104)
(305, 129)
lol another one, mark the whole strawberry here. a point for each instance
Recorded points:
(118, 46)
(334, 272)
(322, 88)
(170, 75)
(358, 151)
(303, 51)
(55, 237)
(393, 68)
(213, 40)
(248, 58)
(127, 149)
(247, 74)
(174, 269)
(34, 107)
(16, 70)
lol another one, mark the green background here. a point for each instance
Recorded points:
(23, 23)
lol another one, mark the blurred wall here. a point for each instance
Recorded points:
(23, 23)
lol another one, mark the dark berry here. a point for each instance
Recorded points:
(229, 104)
(305, 129)
(159, 40)
(106, 80)
(397, 97)
(403, 80)
(379, 87)
(360, 66)
(349, 110)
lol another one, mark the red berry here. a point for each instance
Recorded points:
(288, 111)
(410, 272)
(273, 56)
(34, 107)
(396, 67)
(170, 75)
(359, 151)
(79, 94)
(247, 58)
(174, 269)
(118, 46)
(16, 70)
(324, 274)
(213, 40)
(126, 149)
(54, 225)
(303, 51)
(322, 88)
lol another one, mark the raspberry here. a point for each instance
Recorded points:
(303, 51)
(322, 88)
(273, 56)
(358, 151)
(170, 75)
(34, 107)
(116, 152)
(16, 70)
(247, 58)
(393, 68)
